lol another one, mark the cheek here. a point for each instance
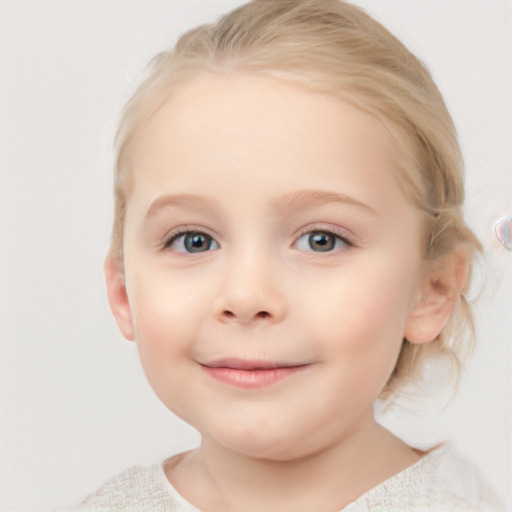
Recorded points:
(360, 314)
(166, 317)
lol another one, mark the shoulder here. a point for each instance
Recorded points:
(461, 479)
(458, 479)
(137, 489)
(443, 480)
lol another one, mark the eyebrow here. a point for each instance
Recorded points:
(172, 200)
(302, 199)
(294, 201)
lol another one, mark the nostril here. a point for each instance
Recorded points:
(261, 314)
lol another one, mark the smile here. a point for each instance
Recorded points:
(250, 374)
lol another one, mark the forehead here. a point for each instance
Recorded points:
(240, 128)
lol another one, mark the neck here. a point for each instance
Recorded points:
(214, 477)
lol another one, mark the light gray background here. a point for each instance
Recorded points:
(75, 407)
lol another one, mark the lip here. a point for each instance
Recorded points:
(247, 374)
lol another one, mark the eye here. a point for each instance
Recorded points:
(192, 242)
(320, 241)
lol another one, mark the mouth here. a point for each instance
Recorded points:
(248, 374)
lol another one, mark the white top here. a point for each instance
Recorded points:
(441, 481)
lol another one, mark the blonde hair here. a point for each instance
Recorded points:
(335, 47)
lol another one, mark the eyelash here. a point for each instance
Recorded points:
(339, 237)
(178, 233)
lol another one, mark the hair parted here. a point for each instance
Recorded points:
(335, 47)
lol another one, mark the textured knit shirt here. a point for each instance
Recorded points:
(443, 480)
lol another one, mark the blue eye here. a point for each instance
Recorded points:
(320, 241)
(192, 242)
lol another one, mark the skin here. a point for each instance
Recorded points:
(254, 163)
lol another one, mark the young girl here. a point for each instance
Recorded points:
(288, 247)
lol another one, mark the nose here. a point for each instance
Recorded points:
(250, 293)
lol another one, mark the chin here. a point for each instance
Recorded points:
(258, 441)
(264, 450)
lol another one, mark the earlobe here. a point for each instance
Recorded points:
(437, 298)
(118, 297)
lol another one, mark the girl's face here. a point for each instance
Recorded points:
(272, 263)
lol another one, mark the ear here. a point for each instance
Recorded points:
(437, 297)
(118, 297)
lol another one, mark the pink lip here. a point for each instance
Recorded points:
(250, 374)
